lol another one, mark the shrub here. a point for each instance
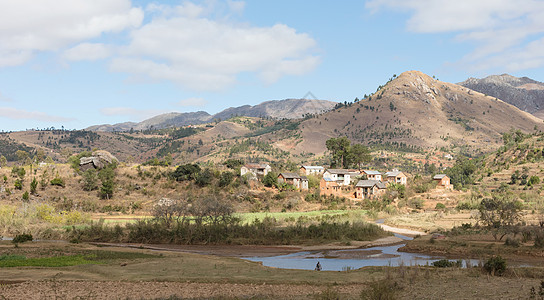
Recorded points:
(18, 184)
(33, 186)
(58, 182)
(21, 238)
(440, 206)
(385, 290)
(512, 242)
(495, 265)
(26, 196)
(539, 240)
(444, 263)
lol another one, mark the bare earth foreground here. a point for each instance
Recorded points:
(165, 273)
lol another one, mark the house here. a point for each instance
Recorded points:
(372, 175)
(341, 176)
(299, 182)
(259, 170)
(328, 186)
(311, 170)
(395, 176)
(443, 181)
(369, 189)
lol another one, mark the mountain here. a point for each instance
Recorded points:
(525, 93)
(415, 111)
(276, 109)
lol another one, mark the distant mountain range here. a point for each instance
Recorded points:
(524, 93)
(278, 109)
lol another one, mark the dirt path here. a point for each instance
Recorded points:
(402, 231)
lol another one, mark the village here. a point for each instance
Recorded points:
(349, 183)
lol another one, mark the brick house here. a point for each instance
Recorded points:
(341, 176)
(372, 175)
(299, 182)
(311, 170)
(369, 189)
(443, 181)
(258, 170)
(395, 176)
(328, 186)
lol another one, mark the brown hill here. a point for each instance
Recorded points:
(417, 111)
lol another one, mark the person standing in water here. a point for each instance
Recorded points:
(318, 266)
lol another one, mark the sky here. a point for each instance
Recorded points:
(76, 63)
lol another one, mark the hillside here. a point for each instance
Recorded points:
(524, 93)
(276, 109)
(415, 111)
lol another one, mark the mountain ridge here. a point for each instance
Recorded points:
(277, 109)
(523, 92)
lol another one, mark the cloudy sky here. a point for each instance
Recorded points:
(76, 63)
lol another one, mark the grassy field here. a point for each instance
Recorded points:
(317, 215)
(145, 274)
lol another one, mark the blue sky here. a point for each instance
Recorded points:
(76, 63)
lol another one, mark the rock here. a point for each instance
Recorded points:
(99, 160)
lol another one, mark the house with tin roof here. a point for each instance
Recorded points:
(369, 189)
(299, 182)
(395, 176)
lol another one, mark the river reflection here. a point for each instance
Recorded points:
(340, 260)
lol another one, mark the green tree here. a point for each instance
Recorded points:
(271, 179)
(107, 177)
(461, 174)
(21, 155)
(3, 161)
(340, 149)
(186, 172)
(226, 178)
(90, 180)
(33, 186)
(359, 155)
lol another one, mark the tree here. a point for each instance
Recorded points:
(3, 161)
(33, 186)
(359, 155)
(90, 180)
(21, 155)
(186, 172)
(461, 173)
(107, 177)
(271, 179)
(225, 179)
(339, 148)
(499, 213)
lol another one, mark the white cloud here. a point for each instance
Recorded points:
(30, 26)
(508, 34)
(139, 114)
(88, 51)
(192, 102)
(18, 114)
(183, 45)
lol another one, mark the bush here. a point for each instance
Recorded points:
(440, 206)
(444, 263)
(21, 238)
(512, 242)
(496, 265)
(539, 240)
(26, 196)
(384, 290)
(58, 182)
(18, 184)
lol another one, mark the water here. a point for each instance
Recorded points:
(341, 260)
